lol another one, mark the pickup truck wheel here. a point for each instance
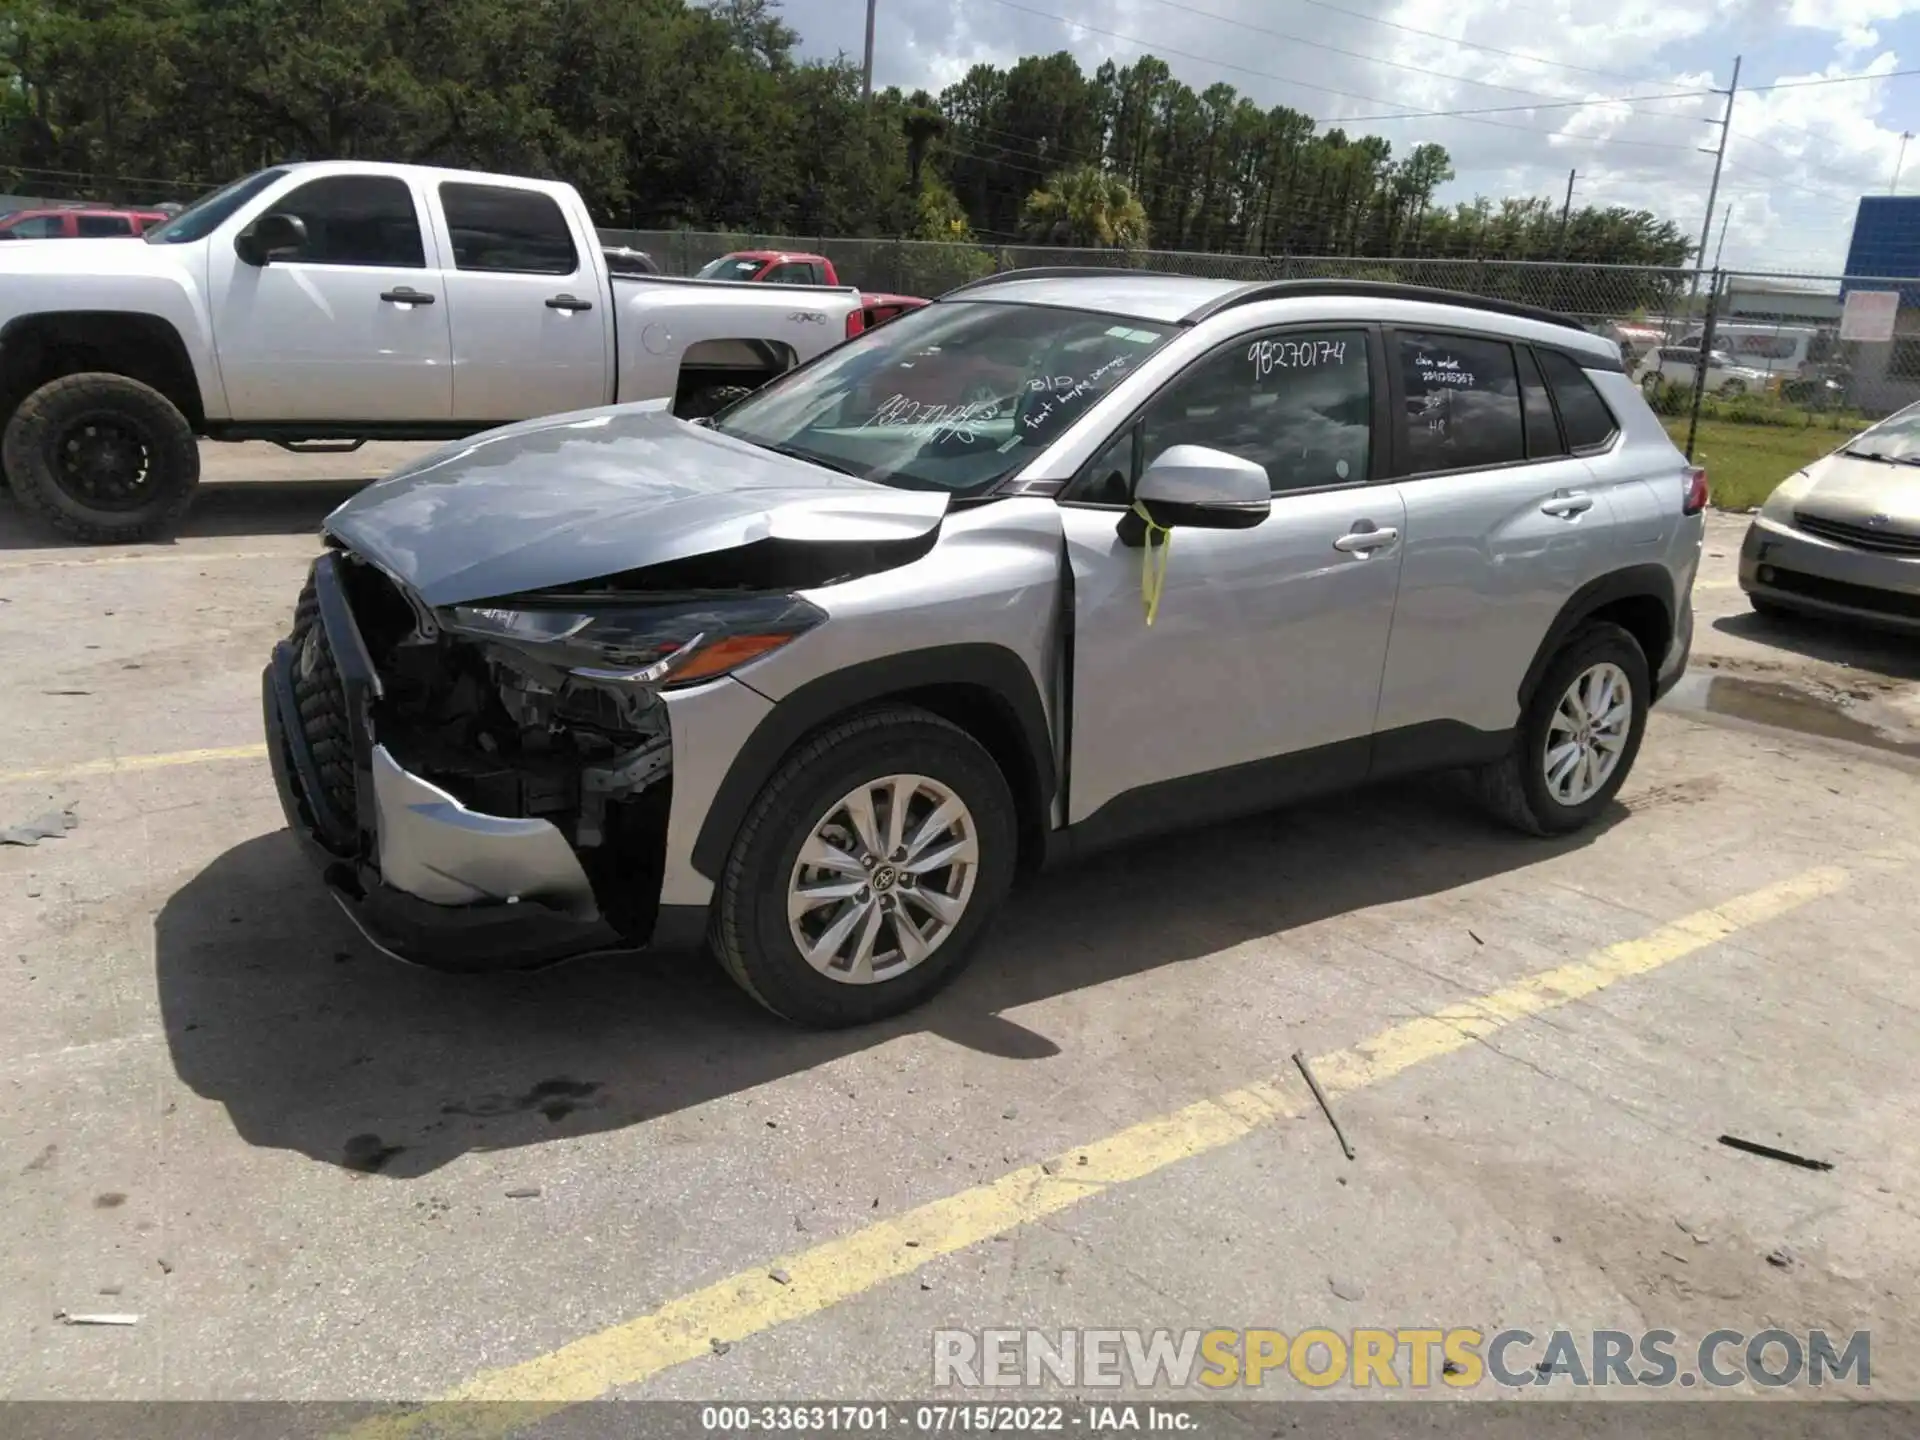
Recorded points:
(710, 400)
(867, 870)
(102, 458)
(1577, 740)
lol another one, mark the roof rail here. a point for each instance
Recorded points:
(1380, 290)
(1060, 272)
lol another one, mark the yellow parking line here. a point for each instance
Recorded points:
(125, 764)
(147, 557)
(750, 1302)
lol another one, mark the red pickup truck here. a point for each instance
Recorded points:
(797, 267)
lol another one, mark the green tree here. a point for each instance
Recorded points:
(1085, 206)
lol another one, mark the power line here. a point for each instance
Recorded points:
(1354, 54)
(1831, 80)
(1471, 45)
(1471, 115)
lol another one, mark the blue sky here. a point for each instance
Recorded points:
(1798, 160)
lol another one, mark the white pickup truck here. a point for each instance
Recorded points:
(322, 305)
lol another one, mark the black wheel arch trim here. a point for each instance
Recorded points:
(1633, 582)
(165, 364)
(991, 668)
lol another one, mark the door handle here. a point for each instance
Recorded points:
(1365, 542)
(1567, 506)
(406, 296)
(568, 303)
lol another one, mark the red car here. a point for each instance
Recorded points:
(74, 222)
(799, 267)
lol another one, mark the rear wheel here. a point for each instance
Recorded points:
(1577, 740)
(867, 870)
(102, 458)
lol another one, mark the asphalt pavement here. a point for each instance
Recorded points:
(312, 1173)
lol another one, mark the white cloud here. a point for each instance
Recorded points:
(1798, 160)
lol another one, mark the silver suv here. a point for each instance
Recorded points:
(1057, 561)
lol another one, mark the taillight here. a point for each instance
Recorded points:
(856, 322)
(1696, 500)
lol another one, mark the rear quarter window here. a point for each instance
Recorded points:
(1583, 412)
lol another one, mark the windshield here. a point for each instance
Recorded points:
(1895, 438)
(729, 267)
(953, 396)
(203, 217)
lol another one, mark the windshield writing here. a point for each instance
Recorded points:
(954, 396)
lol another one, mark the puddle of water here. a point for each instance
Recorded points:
(1766, 702)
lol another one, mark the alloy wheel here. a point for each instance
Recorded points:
(883, 879)
(1588, 733)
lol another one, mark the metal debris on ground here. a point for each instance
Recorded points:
(524, 1192)
(50, 826)
(1754, 1147)
(1475, 938)
(1780, 1259)
(1326, 1108)
(779, 1276)
(65, 1319)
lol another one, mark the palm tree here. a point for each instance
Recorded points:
(1087, 208)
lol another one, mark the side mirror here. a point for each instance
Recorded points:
(1195, 487)
(273, 235)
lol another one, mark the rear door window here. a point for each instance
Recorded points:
(507, 230)
(97, 225)
(1461, 407)
(39, 227)
(1588, 421)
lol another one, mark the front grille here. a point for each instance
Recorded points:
(1838, 592)
(1887, 537)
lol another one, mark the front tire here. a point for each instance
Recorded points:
(867, 870)
(1579, 736)
(102, 458)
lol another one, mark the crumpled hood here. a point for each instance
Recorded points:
(571, 498)
(1855, 491)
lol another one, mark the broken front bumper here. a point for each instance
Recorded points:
(426, 878)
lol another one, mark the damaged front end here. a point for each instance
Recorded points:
(490, 784)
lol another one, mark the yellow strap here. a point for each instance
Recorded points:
(1153, 573)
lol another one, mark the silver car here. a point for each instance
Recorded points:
(1060, 560)
(1842, 537)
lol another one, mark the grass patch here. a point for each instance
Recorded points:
(1745, 462)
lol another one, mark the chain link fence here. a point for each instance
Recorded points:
(1776, 356)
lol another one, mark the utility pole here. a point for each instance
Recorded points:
(1719, 153)
(1893, 185)
(1566, 210)
(866, 70)
(1721, 248)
